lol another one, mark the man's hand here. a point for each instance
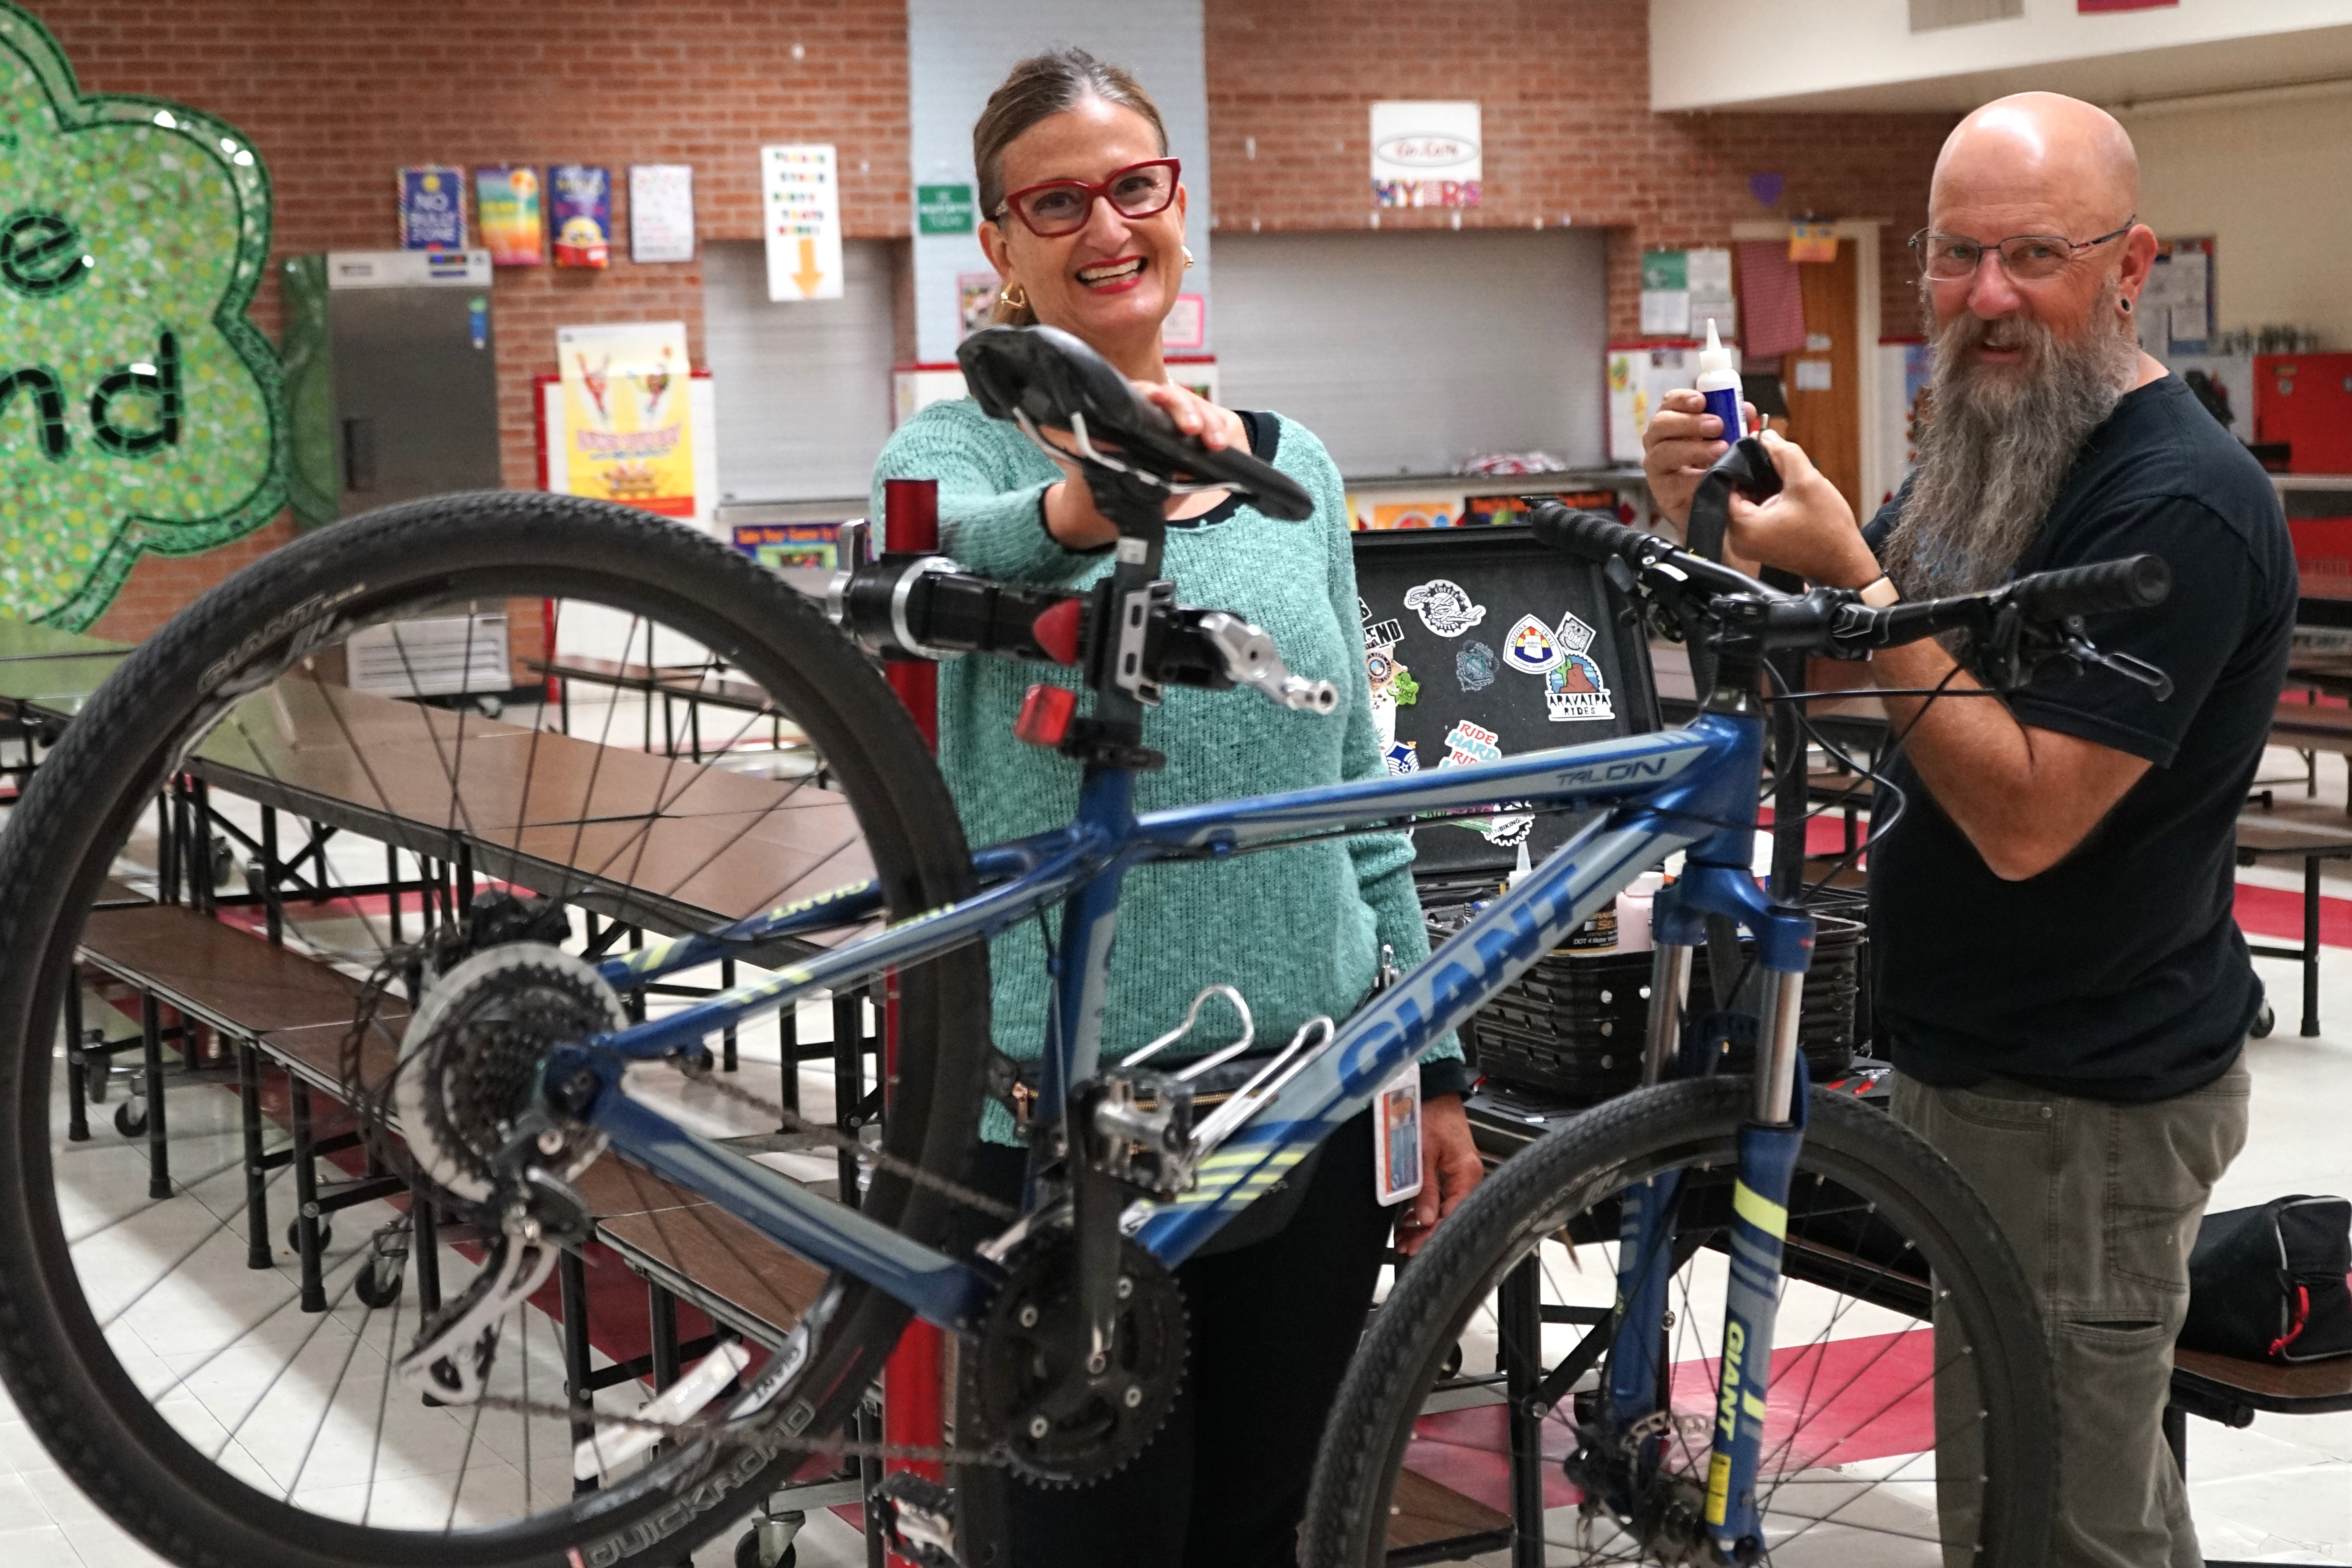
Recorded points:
(1678, 445)
(1807, 529)
(1451, 1170)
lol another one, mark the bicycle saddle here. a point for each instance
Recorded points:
(1051, 377)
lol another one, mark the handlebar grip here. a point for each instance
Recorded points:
(1588, 534)
(2134, 582)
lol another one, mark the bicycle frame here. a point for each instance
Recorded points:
(1691, 789)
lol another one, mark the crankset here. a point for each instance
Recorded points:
(1058, 1424)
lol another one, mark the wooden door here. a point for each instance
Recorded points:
(1824, 383)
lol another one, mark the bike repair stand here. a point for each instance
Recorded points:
(914, 1410)
(913, 1380)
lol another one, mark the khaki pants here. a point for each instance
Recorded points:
(2102, 1204)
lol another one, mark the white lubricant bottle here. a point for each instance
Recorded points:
(1719, 383)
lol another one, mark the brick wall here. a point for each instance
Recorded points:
(1568, 133)
(338, 95)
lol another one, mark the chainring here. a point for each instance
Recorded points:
(1035, 1401)
(471, 1056)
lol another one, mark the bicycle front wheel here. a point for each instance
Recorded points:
(1888, 1440)
(427, 733)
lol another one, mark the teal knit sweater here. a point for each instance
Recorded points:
(1296, 931)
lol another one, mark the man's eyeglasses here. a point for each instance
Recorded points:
(1062, 206)
(2027, 258)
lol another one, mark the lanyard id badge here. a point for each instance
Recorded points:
(1396, 1136)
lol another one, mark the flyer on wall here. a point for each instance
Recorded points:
(975, 300)
(628, 432)
(580, 211)
(514, 229)
(800, 196)
(432, 208)
(661, 212)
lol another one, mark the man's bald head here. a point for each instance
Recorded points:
(2038, 152)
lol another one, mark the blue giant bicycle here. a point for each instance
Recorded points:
(1709, 1300)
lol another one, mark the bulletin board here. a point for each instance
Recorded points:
(1484, 643)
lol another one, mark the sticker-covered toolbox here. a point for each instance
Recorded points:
(1482, 643)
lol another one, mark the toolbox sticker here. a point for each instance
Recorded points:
(1505, 829)
(1402, 756)
(1473, 667)
(1574, 636)
(1444, 608)
(1531, 648)
(1469, 743)
(1393, 686)
(1574, 691)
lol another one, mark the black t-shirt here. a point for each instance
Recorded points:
(2119, 974)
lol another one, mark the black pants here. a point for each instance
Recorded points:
(1271, 1327)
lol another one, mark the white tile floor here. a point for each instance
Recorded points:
(2280, 1490)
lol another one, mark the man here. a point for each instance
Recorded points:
(2066, 991)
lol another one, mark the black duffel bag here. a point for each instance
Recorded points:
(2269, 1283)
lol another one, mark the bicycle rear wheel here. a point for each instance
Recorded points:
(1414, 1463)
(680, 739)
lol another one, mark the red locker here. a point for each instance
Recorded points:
(2306, 401)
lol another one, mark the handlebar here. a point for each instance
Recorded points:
(2018, 625)
(2134, 582)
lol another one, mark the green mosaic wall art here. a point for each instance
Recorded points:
(140, 408)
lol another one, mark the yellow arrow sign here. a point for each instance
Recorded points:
(808, 276)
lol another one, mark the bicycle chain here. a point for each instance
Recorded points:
(700, 1070)
(880, 1159)
(747, 1434)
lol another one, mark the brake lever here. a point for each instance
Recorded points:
(2081, 649)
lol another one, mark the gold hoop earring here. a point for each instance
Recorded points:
(1005, 296)
(1188, 257)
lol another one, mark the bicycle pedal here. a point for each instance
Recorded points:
(919, 1520)
(681, 1401)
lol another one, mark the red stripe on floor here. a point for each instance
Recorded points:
(2275, 912)
(1865, 1398)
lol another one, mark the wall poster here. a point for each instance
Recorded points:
(628, 433)
(2177, 306)
(1426, 153)
(142, 407)
(432, 207)
(1665, 294)
(514, 224)
(661, 212)
(975, 301)
(800, 190)
(580, 211)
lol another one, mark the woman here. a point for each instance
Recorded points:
(1085, 225)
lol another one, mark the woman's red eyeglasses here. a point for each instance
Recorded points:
(1062, 206)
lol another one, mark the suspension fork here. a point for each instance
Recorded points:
(1640, 1375)
(1769, 1146)
(1637, 1364)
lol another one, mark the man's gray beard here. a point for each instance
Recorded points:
(1995, 451)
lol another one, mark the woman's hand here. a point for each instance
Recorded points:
(1216, 428)
(1453, 1169)
(1071, 515)
(1807, 529)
